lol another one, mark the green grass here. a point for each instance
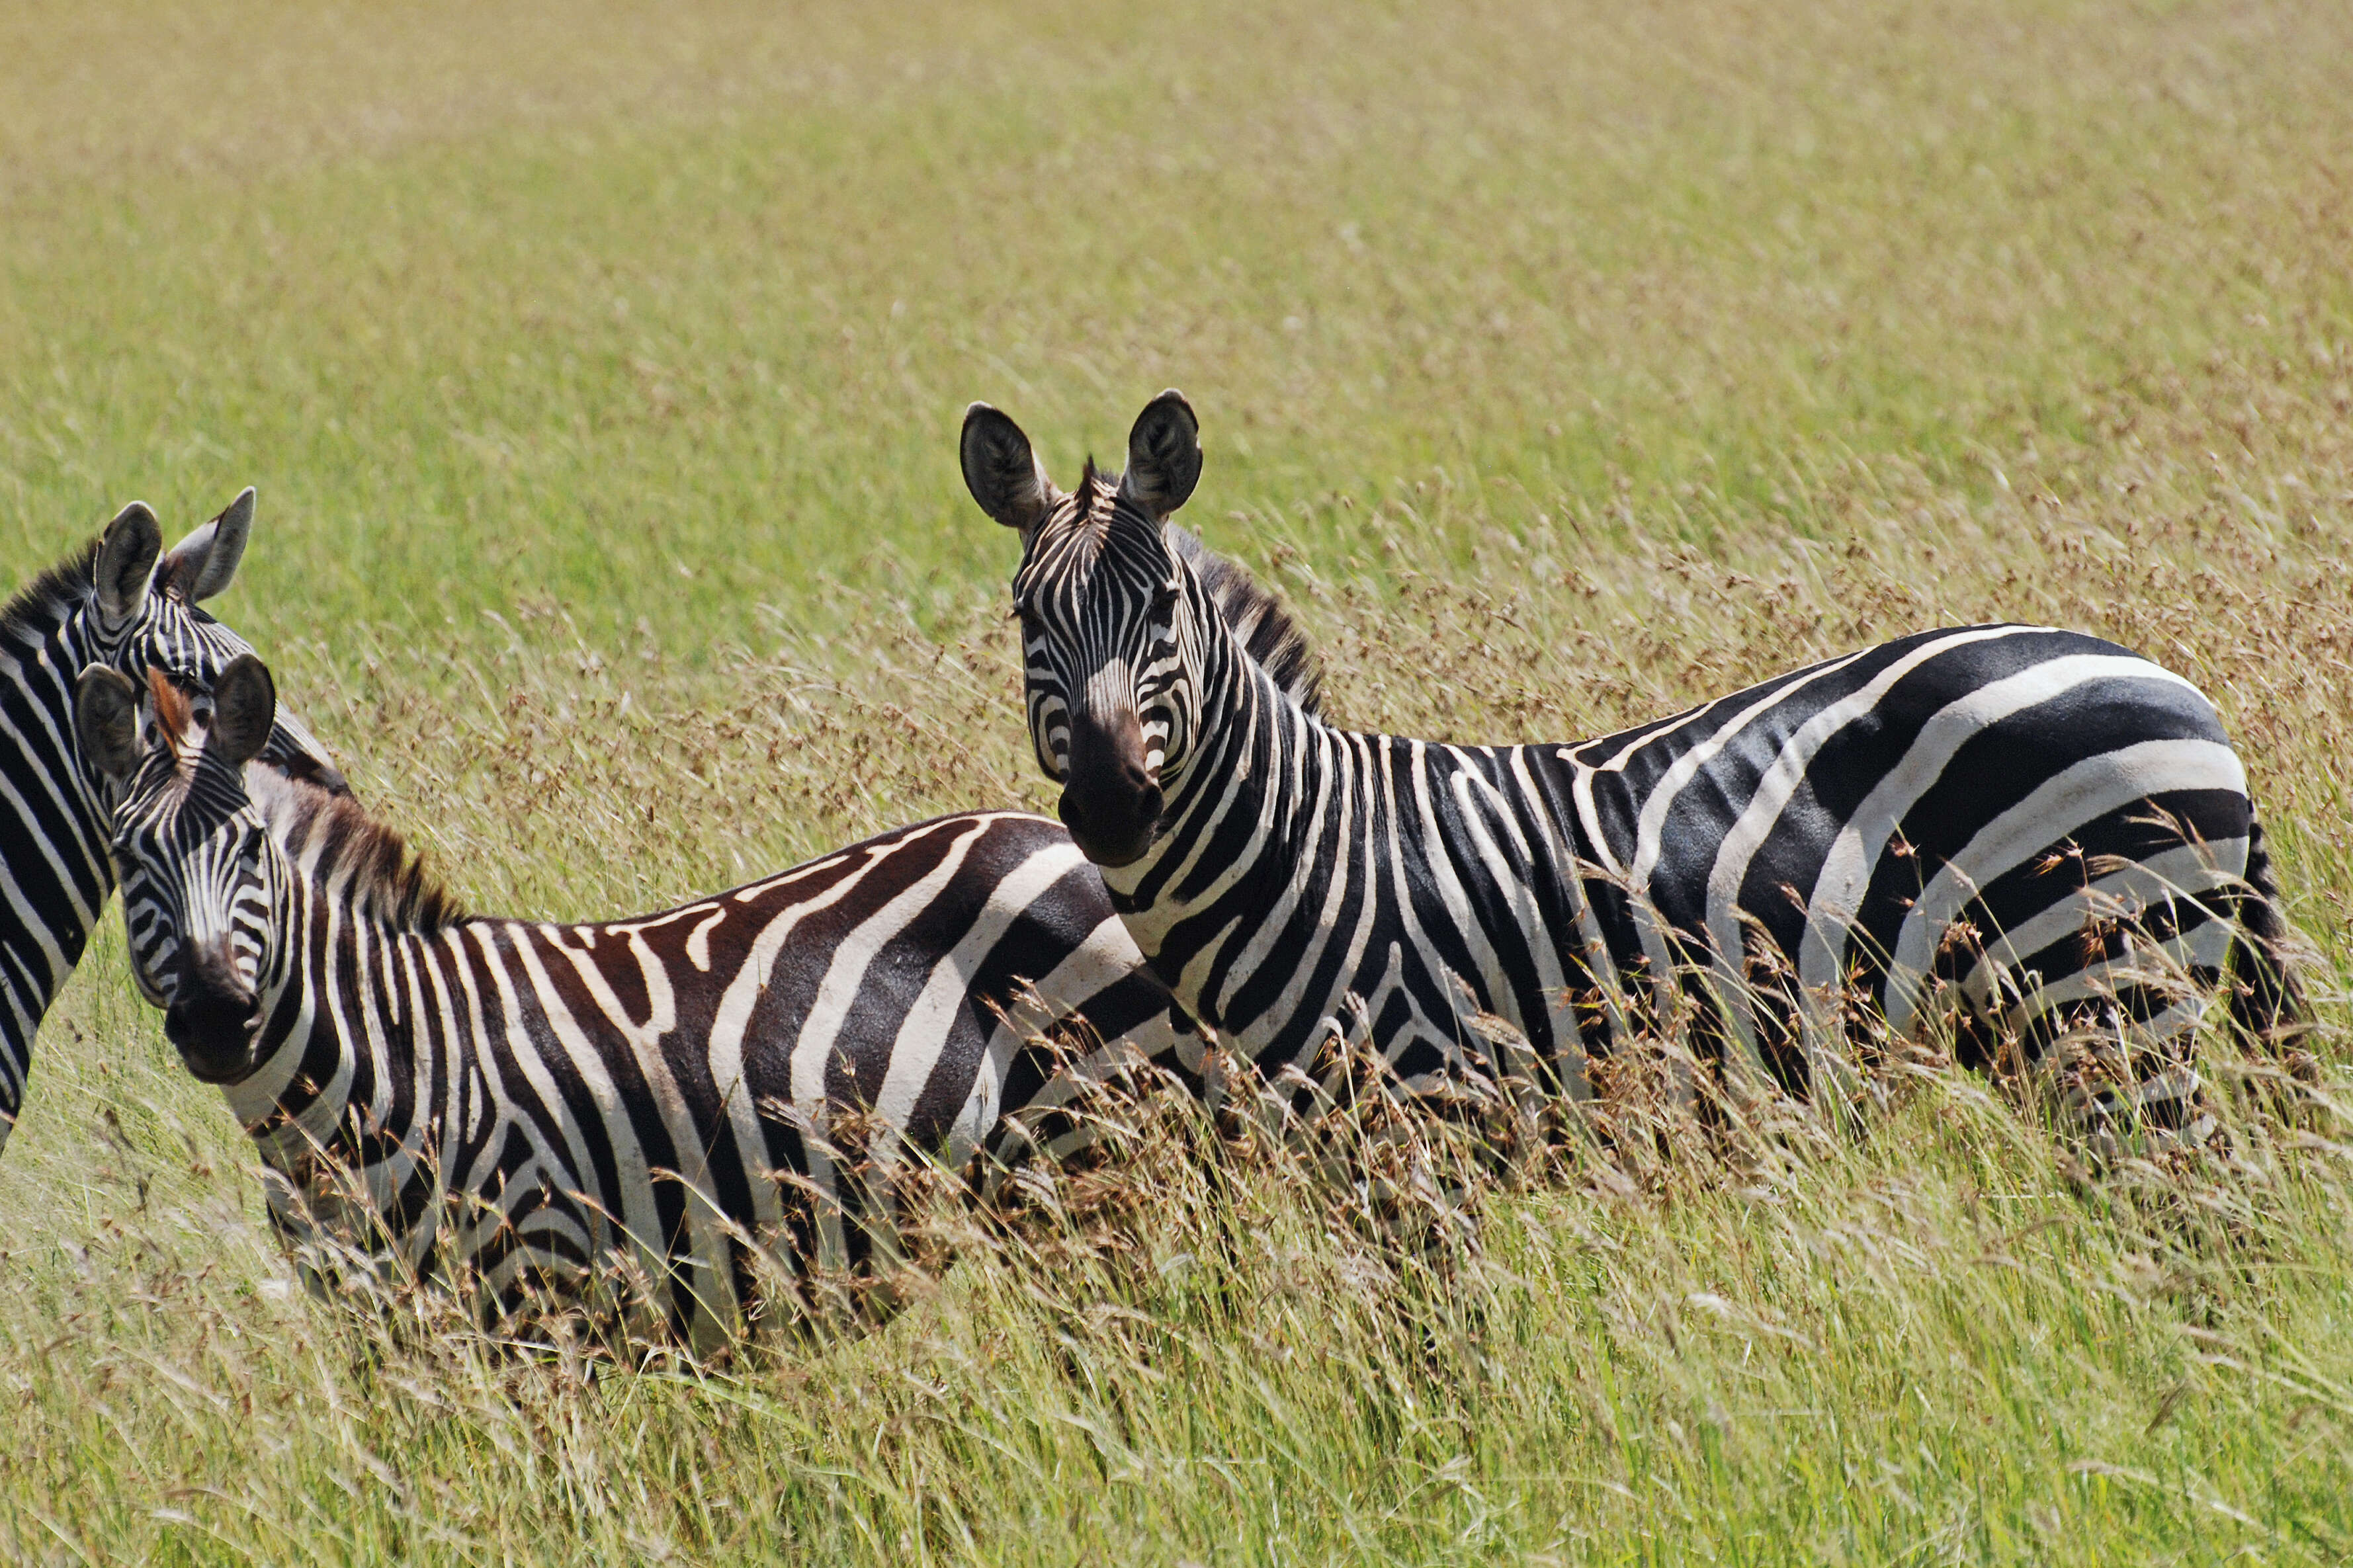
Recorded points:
(1561, 363)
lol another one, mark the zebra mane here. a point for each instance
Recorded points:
(332, 836)
(1093, 506)
(1258, 620)
(337, 841)
(55, 592)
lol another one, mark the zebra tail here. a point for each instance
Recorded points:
(2266, 1000)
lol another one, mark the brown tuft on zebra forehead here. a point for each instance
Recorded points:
(171, 706)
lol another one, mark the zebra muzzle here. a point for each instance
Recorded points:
(1111, 804)
(211, 1019)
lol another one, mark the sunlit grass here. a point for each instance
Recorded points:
(1562, 367)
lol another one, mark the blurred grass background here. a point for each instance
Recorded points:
(600, 369)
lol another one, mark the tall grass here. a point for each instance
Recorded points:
(1561, 367)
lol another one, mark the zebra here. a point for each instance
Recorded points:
(651, 1119)
(1993, 824)
(123, 601)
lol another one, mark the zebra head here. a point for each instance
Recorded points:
(201, 878)
(1108, 606)
(145, 613)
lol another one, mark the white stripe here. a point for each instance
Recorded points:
(843, 988)
(923, 1032)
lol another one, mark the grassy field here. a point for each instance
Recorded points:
(1561, 363)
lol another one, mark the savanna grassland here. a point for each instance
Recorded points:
(1562, 364)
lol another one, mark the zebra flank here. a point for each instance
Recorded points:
(2037, 833)
(694, 1115)
(123, 602)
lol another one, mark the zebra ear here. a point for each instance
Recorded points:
(202, 564)
(106, 721)
(126, 560)
(244, 704)
(1164, 455)
(1002, 472)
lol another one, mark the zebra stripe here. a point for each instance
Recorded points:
(2041, 826)
(553, 1106)
(124, 602)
